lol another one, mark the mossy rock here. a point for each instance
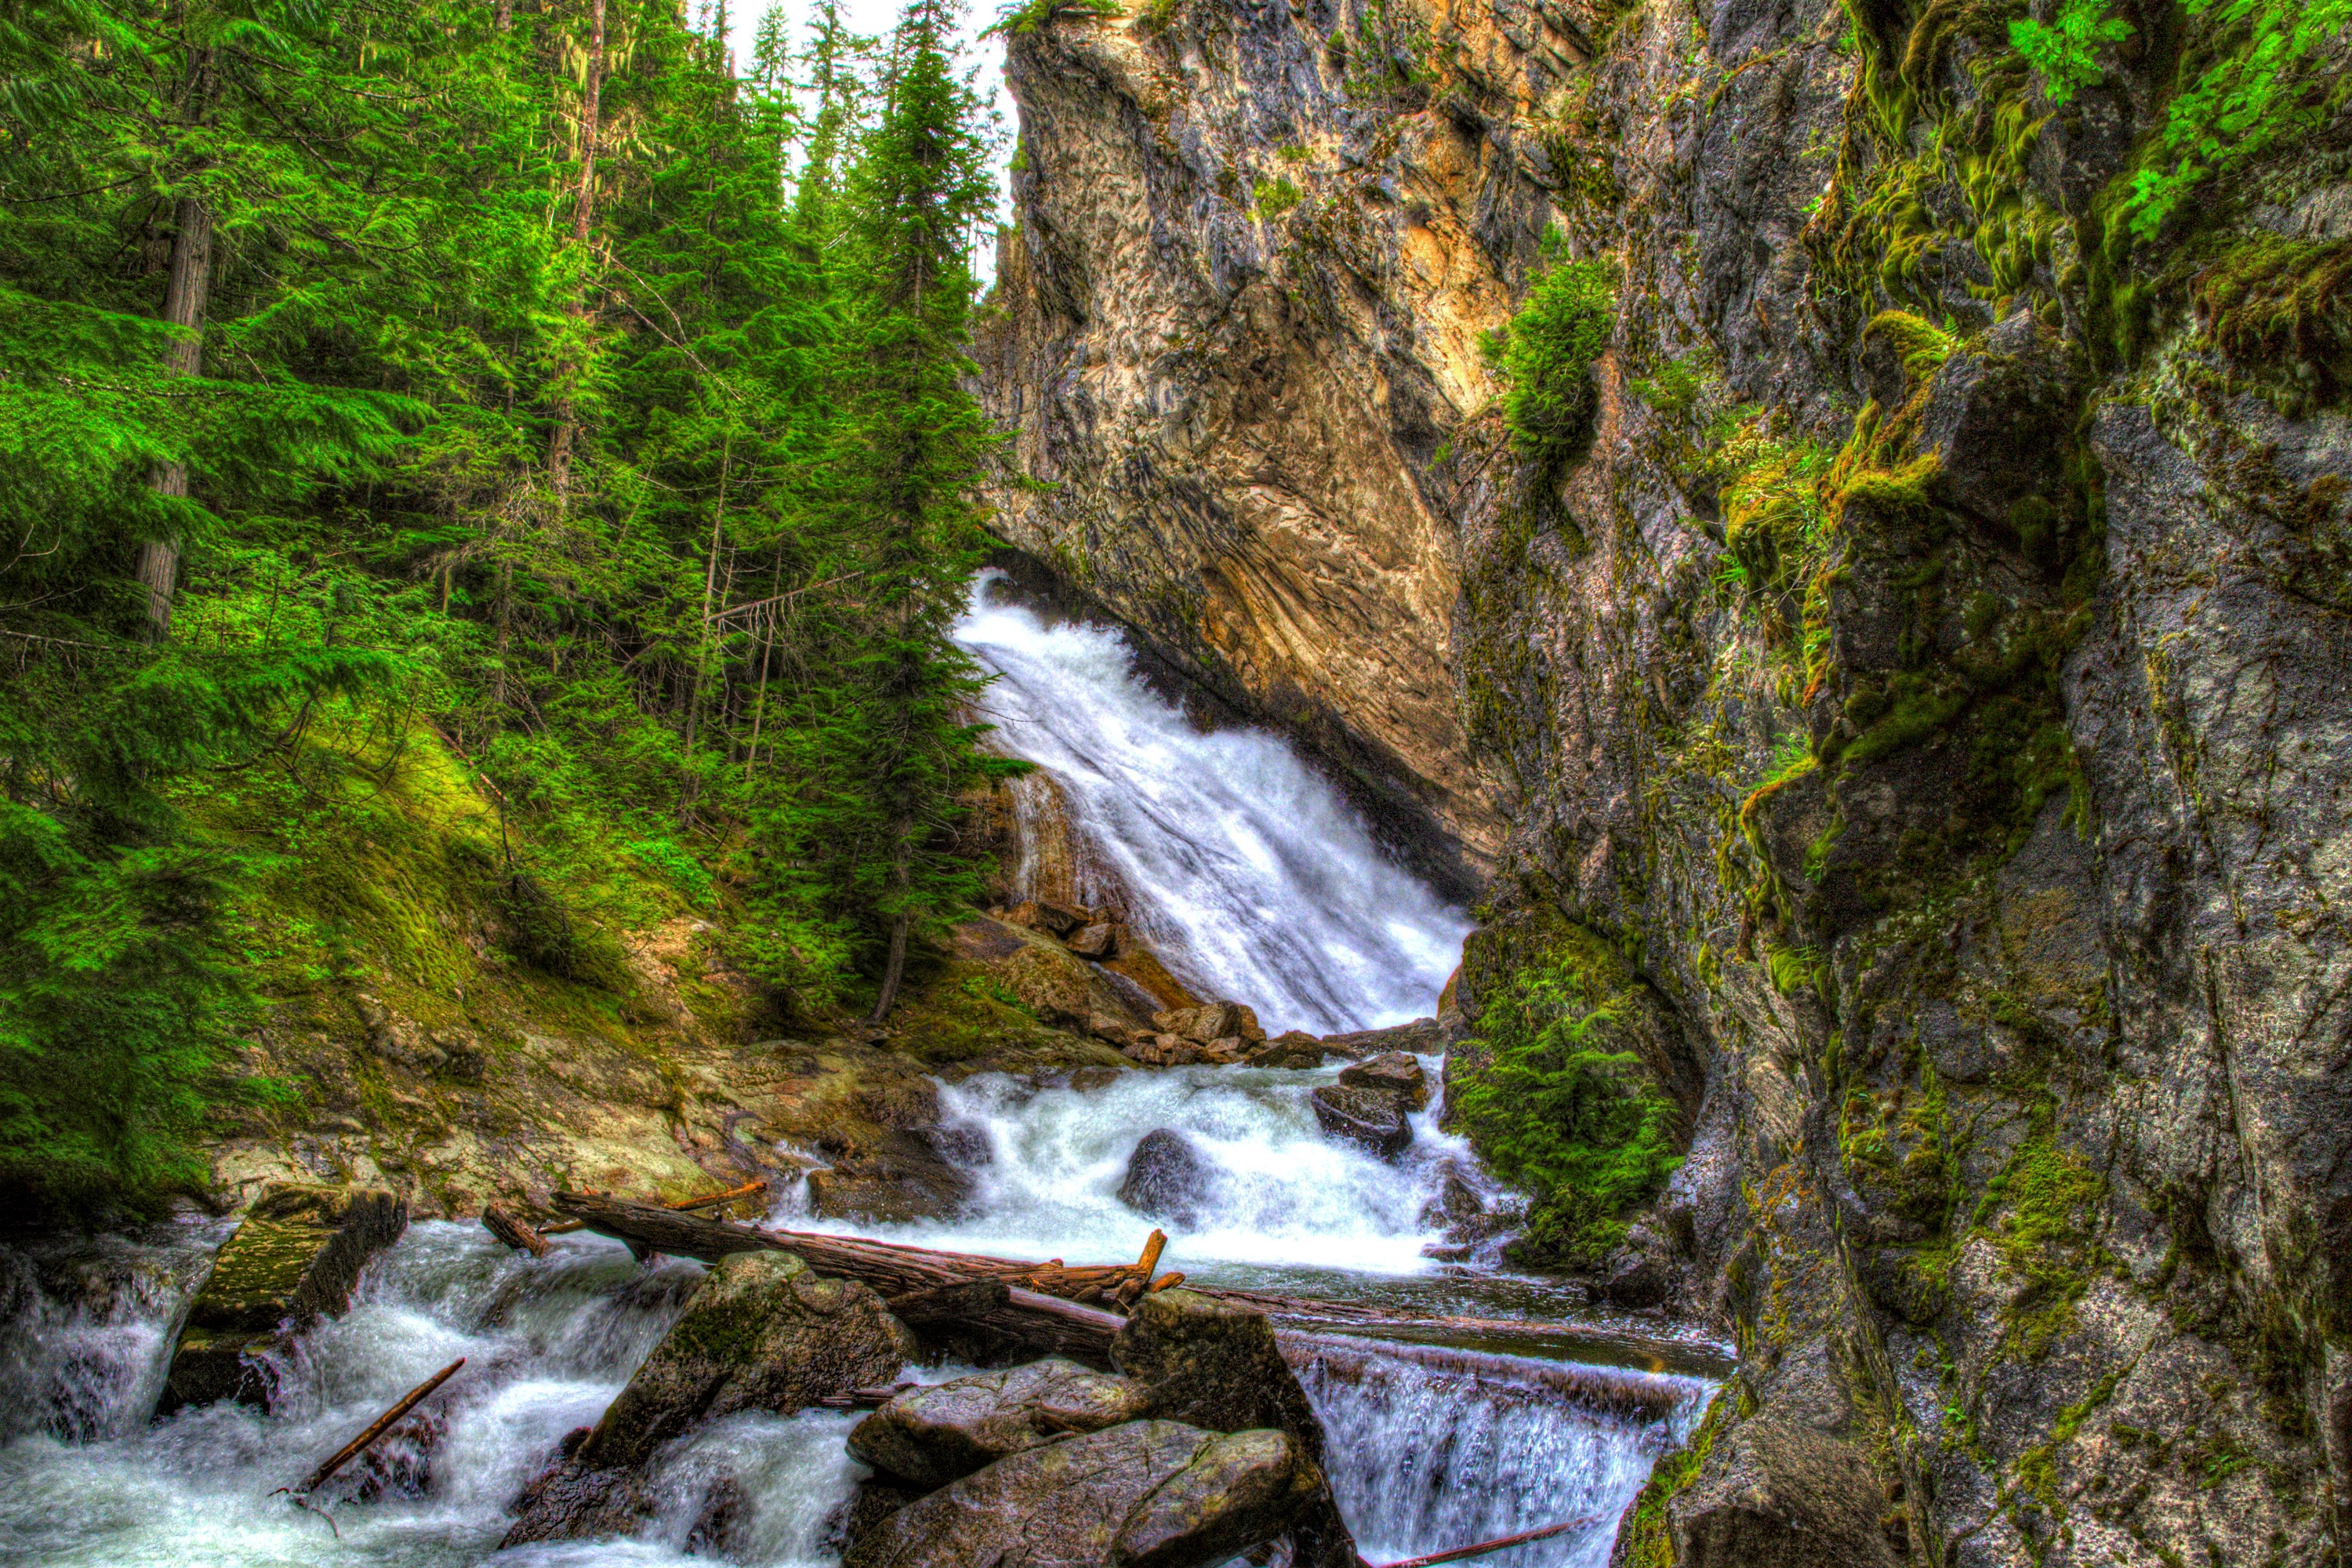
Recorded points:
(764, 1332)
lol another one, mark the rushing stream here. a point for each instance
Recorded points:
(1259, 884)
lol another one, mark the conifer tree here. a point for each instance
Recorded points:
(915, 449)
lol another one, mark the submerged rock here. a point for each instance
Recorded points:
(1167, 1177)
(1365, 1117)
(1394, 1074)
(930, 1436)
(1150, 1494)
(295, 1259)
(764, 1333)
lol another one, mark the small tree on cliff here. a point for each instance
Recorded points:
(914, 449)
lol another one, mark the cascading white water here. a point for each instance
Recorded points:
(1254, 878)
(85, 1481)
(1281, 1196)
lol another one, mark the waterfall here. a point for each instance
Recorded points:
(1248, 871)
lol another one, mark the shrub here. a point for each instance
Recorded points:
(1275, 196)
(1547, 353)
(1583, 1127)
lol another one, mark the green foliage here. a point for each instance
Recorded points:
(1547, 352)
(1030, 15)
(644, 488)
(2251, 98)
(2064, 51)
(1584, 1127)
(1275, 196)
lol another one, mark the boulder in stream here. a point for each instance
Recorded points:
(1291, 1048)
(764, 1331)
(1365, 1117)
(295, 1259)
(1394, 1074)
(1167, 1177)
(1147, 1494)
(930, 1436)
(1214, 1365)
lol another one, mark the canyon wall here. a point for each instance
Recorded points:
(1931, 681)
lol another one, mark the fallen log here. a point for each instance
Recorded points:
(709, 1201)
(513, 1229)
(865, 1398)
(1462, 1553)
(895, 1268)
(1629, 1395)
(948, 1303)
(382, 1423)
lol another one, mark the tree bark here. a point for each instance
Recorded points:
(902, 858)
(184, 297)
(583, 209)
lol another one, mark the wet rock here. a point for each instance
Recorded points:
(1150, 1494)
(1392, 1073)
(1061, 987)
(1164, 1051)
(906, 1175)
(1167, 1177)
(1785, 1496)
(1421, 1037)
(1060, 919)
(930, 1436)
(295, 1259)
(1640, 1273)
(573, 1501)
(1292, 1048)
(1216, 1365)
(1364, 1116)
(1097, 940)
(764, 1332)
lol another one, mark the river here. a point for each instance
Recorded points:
(1258, 883)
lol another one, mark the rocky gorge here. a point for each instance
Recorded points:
(1905, 699)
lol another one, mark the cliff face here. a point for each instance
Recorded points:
(1239, 321)
(1931, 681)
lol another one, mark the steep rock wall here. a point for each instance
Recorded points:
(1943, 713)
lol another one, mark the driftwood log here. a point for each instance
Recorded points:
(377, 1428)
(1051, 1304)
(513, 1229)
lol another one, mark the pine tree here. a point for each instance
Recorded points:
(916, 448)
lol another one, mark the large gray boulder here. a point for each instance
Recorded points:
(295, 1259)
(930, 1436)
(764, 1332)
(1167, 1177)
(1367, 1118)
(1147, 1494)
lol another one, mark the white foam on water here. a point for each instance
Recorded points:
(1254, 879)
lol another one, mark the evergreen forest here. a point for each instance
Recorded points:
(562, 403)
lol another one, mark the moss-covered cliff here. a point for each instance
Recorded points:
(1922, 672)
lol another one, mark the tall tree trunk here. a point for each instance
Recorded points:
(702, 637)
(186, 295)
(902, 876)
(583, 209)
